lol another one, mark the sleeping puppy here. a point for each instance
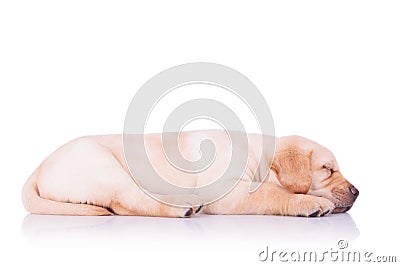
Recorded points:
(89, 176)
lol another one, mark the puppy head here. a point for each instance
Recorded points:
(305, 167)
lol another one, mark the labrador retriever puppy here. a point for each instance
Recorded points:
(89, 176)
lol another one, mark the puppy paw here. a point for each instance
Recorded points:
(183, 206)
(193, 210)
(326, 206)
(311, 206)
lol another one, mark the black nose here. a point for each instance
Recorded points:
(354, 191)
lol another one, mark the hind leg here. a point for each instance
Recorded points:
(131, 200)
(85, 172)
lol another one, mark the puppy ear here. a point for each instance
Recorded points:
(293, 169)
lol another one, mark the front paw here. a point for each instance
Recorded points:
(311, 206)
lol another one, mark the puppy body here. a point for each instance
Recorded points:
(89, 176)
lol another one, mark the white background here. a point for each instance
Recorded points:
(329, 71)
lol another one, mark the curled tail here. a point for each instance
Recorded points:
(33, 203)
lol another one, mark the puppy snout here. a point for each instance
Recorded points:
(354, 191)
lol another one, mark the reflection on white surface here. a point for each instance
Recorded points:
(276, 229)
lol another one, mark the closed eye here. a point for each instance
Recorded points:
(330, 171)
(328, 168)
